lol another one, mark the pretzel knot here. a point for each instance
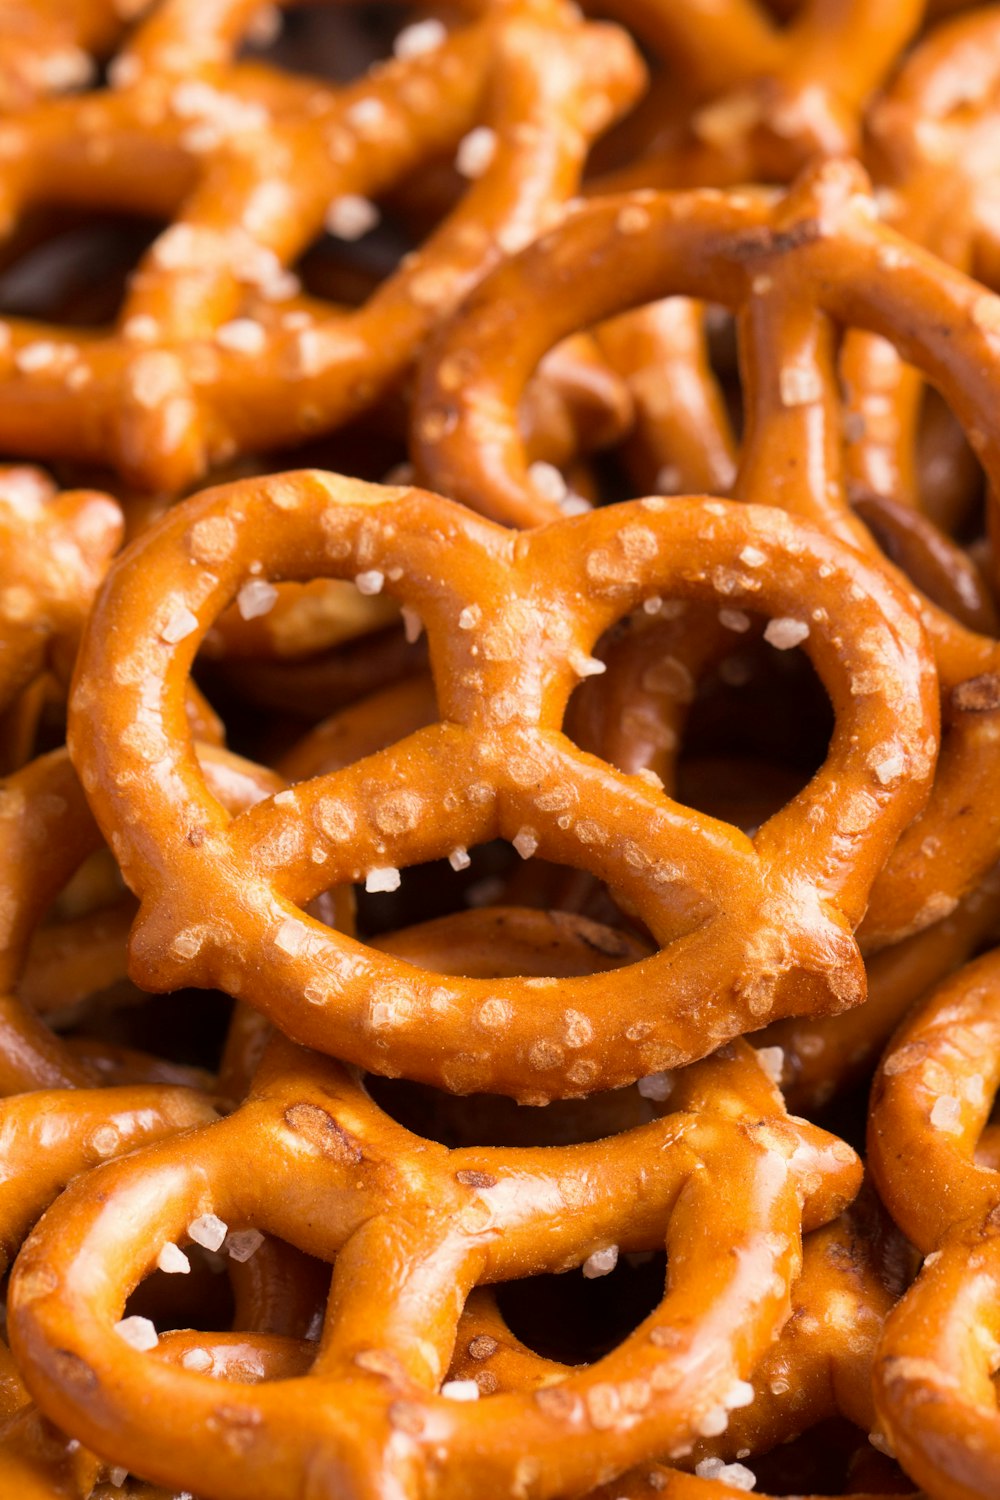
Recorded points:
(748, 930)
(934, 1158)
(413, 1227)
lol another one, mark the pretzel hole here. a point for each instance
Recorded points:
(576, 1319)
(202, 1299)
(436, 890)
(337, 45)
(71, 270)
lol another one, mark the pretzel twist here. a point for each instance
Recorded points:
(506, 648)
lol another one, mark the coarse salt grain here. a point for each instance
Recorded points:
(208, 1230)
(713, 1422)
(117, 1475)
(138, 1332)
(600, 1262)
(173, 1260)
(421, 37)
(752, 557)
(946, 1114)
(370, 582)
(890, 769)
(475, 152)
(737, 1476)
(525, 841)
(351, 216)
(413, 625)
(459, 858)
(241, 1244)
(242, 336)
(734, 619)
(256, 598)
(798, 386)
(656, 1086)
(547, 480)
(181, 623)
(470, 617)
(383, 878)
(460, 1390)
(197, 1359)
(784, 632)
(772, 1060)
(586, 666)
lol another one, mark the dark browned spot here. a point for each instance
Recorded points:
(482, 1346)
(323, 1132)
(978, 695)
(476, 1179)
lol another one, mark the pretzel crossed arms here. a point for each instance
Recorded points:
(213, 353)
(510, 620)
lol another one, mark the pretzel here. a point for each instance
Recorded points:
(47, 45)
(53, 552)
(168, 391)
(502, 680)
(369, 1400)
(821, 243)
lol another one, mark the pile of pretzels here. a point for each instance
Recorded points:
(499, 749)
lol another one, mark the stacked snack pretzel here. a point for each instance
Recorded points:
(499, 688)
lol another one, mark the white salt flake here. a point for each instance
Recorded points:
(208, 1230)
(138, 1332)
(421, 37)
(181, 624)
(256, 598)
(351, 216)
(656, 1086)
(772, 1060)
(370, 582)
(600, 1262)
(242, 336)
(784, 632)
(586, 666)
(734, 619)
(475, 152)
(413, 625)
(242, 1244)
(173, 1260)
(525, 841)
(383, 878)
(459, 858)
(946, 1114)
(737, 1476)
(460, 1390)
(197, 1359)
(798, 386)
(470, 617)
(548, 481)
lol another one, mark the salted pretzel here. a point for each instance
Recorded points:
(413, 1227)
(54, 549)
(246, 161)
(931, 1102)
(506, 650)
(819, 255)
(48, 45)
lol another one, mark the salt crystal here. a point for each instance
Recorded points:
(476, 151)
(714, 1422)
(256, 598)
(890, 768)
(370, 582)
(586, 666)
(207, 1230)
(197, 1359)
(798, 386)
(412, 625)
(737, 1476)
(752, 557)
(460, 1390)
(946, 1114)
(772, 1060)
(784, 633)
(459, 858)
(525, 841)
(734, 619)
(384, 878)
(242, 336)
(656, 1086)
(351, 216)
(138, 1332)
(547, 480)
(600, 1262)
(421, 37)
(181, 623)
(244, 1243)
(470, 617)
(173, 1260)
